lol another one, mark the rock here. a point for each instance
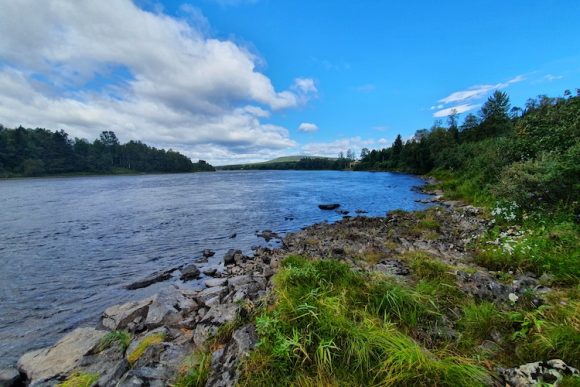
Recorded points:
(152, 279)
(170, 306)
(211, 271)
(126, 316)
(189, 272)
(541, 372)
(268, 235)
(209, 293)
(233, 236)
(393, 267)
(331, 206)
(207, 253)
(239, 280)
(62, 358)
(342, 212)
(213, 319)
(210, 283)
(10, 377)
(361, 212)
(110, 365)
(230, 256)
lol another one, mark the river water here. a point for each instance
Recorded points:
(68, 246)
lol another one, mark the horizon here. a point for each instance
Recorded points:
(241, 81)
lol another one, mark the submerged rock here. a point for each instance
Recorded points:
(189, 272)
(207, 253)
(330, 206)
(152, 279)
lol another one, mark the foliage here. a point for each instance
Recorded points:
(146, 342)
(37, 152)
(194, 370)
(332, 325)
(122, 338)
(80, 379)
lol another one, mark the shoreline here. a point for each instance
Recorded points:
(166, 329)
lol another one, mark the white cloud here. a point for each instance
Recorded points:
(333, 148)
(551, 77)
(183, 89)
(458, 109)
(307, 127)
(478, 91)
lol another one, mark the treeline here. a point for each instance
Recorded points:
(530, 155)
(304, 164)
(38, 152)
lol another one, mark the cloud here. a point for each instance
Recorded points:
(333, 148)
(368, 88)
(233, 3)
(84, 67)
(551, 77)
(307, 127)
(458, 109)
(478, 91)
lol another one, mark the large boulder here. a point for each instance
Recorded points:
(61, 359)
(538, 373)
(189, 272)
(170, 306)
(217, 316)
(126, 316)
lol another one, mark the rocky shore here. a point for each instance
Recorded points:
(153, 341)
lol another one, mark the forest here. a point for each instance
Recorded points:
(528, 156)
(39, 152)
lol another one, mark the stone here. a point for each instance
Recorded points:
(189, 272)
(209, 293)
(210, 283)
(152, 279)
(239, 280)
(210, 271)
(230, 256)
(62, 358)
(207, 253)
(328, 207)
(126, 315)
(169, 306)
(213, 319)
(10, 377)
(110, 365)
(268, 235)
(541, 372)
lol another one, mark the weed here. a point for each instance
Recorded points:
(194, 370)
(146, 342)
(80, 379)
(123, 338)
(478, 321)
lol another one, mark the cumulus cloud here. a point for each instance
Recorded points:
(457, 109)
(178, 87)
(307, 127)
(333, 148)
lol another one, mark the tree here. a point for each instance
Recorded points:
(495, 115)
(453, 128)
(364, 153)
(398, 145)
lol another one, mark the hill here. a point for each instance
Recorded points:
(297, 162)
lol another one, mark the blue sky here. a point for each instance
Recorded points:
(233, 81)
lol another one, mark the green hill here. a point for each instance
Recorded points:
(292, 162)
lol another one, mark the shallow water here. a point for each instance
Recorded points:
(68, 246)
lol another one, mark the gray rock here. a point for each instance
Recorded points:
(328, 207)
(152, 279)
(10, 377)
(207, 253)
(268, 235)
(127, 315)
(109, 364)
(211, 271)
(209, 293)
(210, 283)
(213, 319)
(189, 272)
(239, 280)
(533, 374)
(62, 358)
(170, 306)
(230, 256)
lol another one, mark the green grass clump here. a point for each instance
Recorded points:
(331, 325)
(146, 342)
(478, 321)
(80, 379)
(424, 266)
(123, 338)
(194, 370)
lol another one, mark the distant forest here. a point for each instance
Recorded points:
(38, 152)
(306, 163)
(529, 156)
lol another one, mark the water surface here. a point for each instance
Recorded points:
(68, 246)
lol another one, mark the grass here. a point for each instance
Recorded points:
(331, 325)
(478, 321)
(194, 370)
(80, 379)
(122, 338)
(146, 342)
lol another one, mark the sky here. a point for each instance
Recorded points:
(233, 81)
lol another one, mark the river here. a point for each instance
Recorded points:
(68, 246)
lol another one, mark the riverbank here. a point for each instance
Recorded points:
(354, 303)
